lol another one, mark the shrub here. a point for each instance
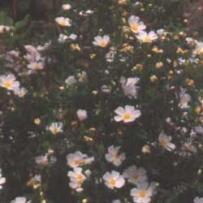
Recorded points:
(106, 108)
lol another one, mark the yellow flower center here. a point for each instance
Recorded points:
(134, 27)
(142, 194)
(147, 39)
(79, 162)
(112, 182)
(8, 84)
(54, 130)
(127, 116)
(163, 142)
(80, 178)
(103, 43)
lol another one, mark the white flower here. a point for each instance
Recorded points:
(35, 66)
(9, 82)
(135, 175)
(185, 98)
(2, 180)
(43, 47)
(129, 86)
(55, 127)
(32, 54)
(161, 32)
(165, 142)
(113, 180)
(72, 36)
(114, 156)
(66, 7)
(135, 24)
(78, 159)
(81, 114)
(20, 200)
(199, 129)
(143, 193)
(21, 92)
(4, 28)
(63, 22)
(101, 41)
(145, 37)
(198, 48)
(42, 160)
(198, 200)
(71, 80)
(127, 114)
(77, 178)
(62, 38)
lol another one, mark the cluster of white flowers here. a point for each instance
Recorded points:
(34, 58)
(77, 176)
(138, 27)
(9, 82)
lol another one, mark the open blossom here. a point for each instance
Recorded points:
(9, 82)
(32, 53)
(129, 87)
(113, 180)
(135, 24)
(42, 160)
(34, 58)
(185, 98)
(126, 114)
(165, 142)
(20, 200)
(101, 41)
(78, 159)
(114, 156)
(81, 114)
(77, 178)
(66, 7)
(21, 92)
(145, 37)
(143, 193)
(63, 22)
(198, 200)
(70, 80)
(55, 128)
(135, 175)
